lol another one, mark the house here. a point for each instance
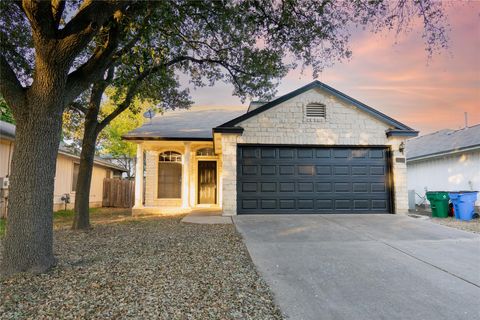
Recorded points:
(447, 160)
(66, 171)
(313, 150)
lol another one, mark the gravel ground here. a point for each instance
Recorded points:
(472, 226)
(154, 268)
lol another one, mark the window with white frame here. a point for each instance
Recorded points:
(169, 175)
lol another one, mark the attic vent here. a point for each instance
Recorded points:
(316, 110)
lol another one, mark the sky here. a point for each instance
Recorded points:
(396, 77)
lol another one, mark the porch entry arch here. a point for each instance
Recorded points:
(169, 175)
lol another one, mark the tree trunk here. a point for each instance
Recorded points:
(81, 219)
(29, 238)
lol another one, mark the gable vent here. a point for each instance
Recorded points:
(315, 110)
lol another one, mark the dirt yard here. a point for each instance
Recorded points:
(472, 226)
(141, 268)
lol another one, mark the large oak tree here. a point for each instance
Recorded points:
(53, 51)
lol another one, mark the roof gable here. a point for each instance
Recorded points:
(400, 128)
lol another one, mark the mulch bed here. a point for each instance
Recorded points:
(155, 268)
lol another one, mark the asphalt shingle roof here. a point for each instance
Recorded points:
(443, 141)
(196, 122)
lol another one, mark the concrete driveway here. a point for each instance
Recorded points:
(365, 266)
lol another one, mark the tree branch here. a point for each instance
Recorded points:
(92, 15)
(58, 6)
(94, 68)
(39, 13)
(77, 106)
(132, 89)
(11, 89)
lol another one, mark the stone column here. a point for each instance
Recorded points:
(139, 179)
(186, 176)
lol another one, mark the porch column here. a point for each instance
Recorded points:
(186, 176)
(139, 178)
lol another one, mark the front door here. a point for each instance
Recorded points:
(207, 182)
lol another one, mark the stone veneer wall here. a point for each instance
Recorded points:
(285, 124)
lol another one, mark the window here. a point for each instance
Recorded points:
(170, 156)
(205, 152)
(169, 175)
(76, 168)
(315, 111)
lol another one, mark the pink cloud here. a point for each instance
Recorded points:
(394, 75)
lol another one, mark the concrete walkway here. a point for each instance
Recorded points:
(206, 216)
(365, 266)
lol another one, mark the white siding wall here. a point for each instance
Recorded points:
(454, 172)
(63, 183)
(6, 150)
(63, 177)
(285, 124)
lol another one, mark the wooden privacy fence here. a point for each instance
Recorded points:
(118, 193)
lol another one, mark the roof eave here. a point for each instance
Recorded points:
(157, 138)
(234, 129)
(402, 133)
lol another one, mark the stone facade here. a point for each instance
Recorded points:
(285, 123)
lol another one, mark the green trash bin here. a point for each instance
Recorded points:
(438, 203)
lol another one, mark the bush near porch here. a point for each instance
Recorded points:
(142, 267)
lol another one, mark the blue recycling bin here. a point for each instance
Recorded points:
(463, 204)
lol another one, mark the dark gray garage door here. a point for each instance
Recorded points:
(274, 179)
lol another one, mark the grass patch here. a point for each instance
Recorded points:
(3, 222)
(68, 214)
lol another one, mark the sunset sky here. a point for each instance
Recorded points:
(399, 79)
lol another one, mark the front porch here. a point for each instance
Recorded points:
(178, 177)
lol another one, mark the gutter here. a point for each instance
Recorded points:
(401, 133)
(165, 138)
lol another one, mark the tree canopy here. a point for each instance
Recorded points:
(54, 51)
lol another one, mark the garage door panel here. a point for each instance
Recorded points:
(306, 153)
(286, 153)
(324, 187)
(324, 170)
(323, 153)
(268, 153)
(287, 186)
(306, 170)
(341, 170)
(377, 170)
(287, 204)
(249, 170)
(249, 186)
(361, 204)
(274, 179)
(286, 170)
(325, 204)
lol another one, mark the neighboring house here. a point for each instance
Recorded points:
(66, 171)
(447, 160)
(314, 150)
